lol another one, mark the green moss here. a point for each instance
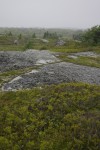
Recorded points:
(75, 49)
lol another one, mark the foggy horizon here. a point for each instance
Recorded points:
(64, 14)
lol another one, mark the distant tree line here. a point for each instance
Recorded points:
(50, 35)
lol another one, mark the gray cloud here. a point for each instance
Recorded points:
(49, 13)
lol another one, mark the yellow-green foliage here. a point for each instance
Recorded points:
(56, 117)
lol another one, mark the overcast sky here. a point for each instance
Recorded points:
(50, 13)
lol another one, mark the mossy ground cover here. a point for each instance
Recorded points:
(81, 60)
(30, 43)
(65, 51)
(11, 47)
(56, 117)
(76, 48)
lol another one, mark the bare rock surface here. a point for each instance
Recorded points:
(52, 71)
(54, 74)
(11, 60)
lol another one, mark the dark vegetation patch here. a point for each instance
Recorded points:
(57, 117)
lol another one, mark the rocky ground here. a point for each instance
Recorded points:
(52, 70)
(11, 60)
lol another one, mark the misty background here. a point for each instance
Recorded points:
(50, 13)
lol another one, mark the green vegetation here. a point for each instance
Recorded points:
(12, 48)
(23, 38)
(92, 36)
(56, 117)
(75, 40)
(74, 47)
(29, 45)
(34, 35)
(50, 35)
(81, 60)
(21, 43)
